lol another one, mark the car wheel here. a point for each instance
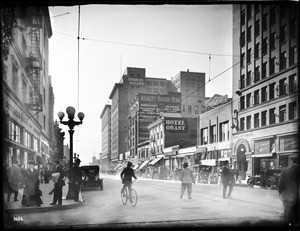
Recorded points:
(269, 183)
(250, 183)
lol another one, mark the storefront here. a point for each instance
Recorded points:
(287, 147)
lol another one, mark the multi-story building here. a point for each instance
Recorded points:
(27, 92)
(265, 85)
(168, 135)
(106, 136)
(145, 109)
(133, 81)
(214, 135)
(191, 85)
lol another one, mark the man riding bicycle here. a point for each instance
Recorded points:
(126, 176)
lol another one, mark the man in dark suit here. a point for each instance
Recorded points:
(227, 179)
(288, 188)
(77, 179)
(57, 197)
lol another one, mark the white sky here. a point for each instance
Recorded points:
(195, 28)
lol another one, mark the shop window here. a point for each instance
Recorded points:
(264, 70)
(264, 94)
(282, 113)
(213, 134)
(263, 118)
(257, 74)
(256, 50)
(293, 55)
(257, 27)
(271, 91)
(248, 100)
(204, 136)
(272, 40)
(292, 111)
(256, 120)
(283, 34)
(242, 124)
(272, 65)
(256, 97)
(293, 83)
(264, 46)
(272, 116)
(248, 122)
(282, 87)
(283, 60)
(248, 80)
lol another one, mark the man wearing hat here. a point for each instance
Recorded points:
(126, 176)
(57, 196)
(227, 179)
(187, 178)
(77, 179)
(14, 180)
(288, 188)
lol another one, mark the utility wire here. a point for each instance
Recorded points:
(145, 46)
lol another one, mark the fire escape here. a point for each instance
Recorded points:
(34, 62)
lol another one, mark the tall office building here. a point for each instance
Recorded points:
(106, 136)
(265, 85)
(27, 92)
(191, 85)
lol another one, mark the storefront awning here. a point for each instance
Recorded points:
(153, 162)
(263, 155)
(143, 164)
(119, 166)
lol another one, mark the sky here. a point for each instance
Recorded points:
(163, 39)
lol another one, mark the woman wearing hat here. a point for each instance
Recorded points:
(187, 178)
(31, 195)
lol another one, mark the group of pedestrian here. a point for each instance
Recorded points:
(17, 178)
(28, 179)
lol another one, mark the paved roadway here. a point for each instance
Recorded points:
(159, 205)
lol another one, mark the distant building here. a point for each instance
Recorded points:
(191, 85)
(133, 81)
(106, 136)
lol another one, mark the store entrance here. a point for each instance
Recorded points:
(242, 164)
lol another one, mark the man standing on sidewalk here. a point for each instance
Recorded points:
(288, 188)
(227, 179)
(187, 178)
(57, 197)
(14, 180)
(77, 179)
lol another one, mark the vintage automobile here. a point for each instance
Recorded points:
(204, 173)
(91, 177)
(268, 180)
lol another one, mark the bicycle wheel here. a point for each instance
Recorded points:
(124, 196)
(134, 197)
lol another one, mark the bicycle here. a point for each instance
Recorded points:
(125, 195)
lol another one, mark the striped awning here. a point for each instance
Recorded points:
(153, 162)
(143, 164)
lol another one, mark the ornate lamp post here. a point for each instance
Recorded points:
(71, 124)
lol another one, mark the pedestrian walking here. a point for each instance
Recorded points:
(187, 178)
(14, 180)
(77, 179)
(57, 196)
(288, 188)
(227, 179)
(32, 193)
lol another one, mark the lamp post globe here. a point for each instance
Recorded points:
(71, 112)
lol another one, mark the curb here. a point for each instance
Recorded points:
(43, 209)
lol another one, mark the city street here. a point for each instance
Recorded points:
(159, 205)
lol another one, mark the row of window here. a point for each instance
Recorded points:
(189, 109)
(268, 117)
(285, 86)
(209, 135)
(20, 135)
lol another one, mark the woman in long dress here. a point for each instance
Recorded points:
(31, 194)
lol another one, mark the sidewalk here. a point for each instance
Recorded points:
(17, 207)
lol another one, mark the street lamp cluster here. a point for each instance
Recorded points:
(71, 124)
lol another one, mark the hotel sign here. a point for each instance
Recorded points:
(176, 125)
